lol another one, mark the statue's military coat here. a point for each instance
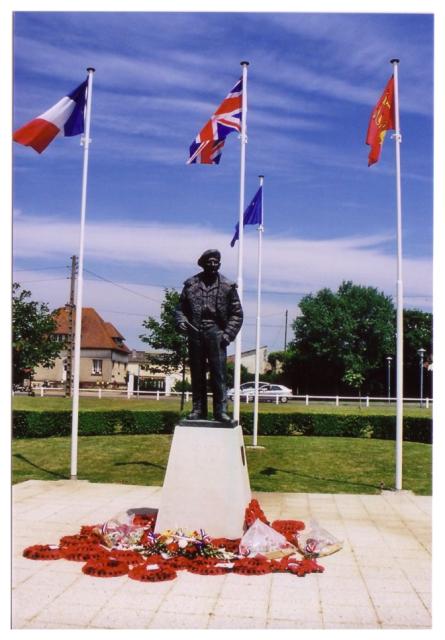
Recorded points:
(229, 313)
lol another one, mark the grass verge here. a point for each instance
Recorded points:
(285, 464)
(27, 403)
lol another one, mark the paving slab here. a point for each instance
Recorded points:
(381, 578)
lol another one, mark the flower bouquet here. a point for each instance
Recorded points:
(121, 533)
(316, 542)
(260, 539)
(189, 544)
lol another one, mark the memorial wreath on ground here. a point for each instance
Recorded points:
(132, 548)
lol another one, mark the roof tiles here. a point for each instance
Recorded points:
(96, 333)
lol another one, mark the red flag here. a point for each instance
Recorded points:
(382, 119)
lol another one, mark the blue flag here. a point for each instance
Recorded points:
(252, 215)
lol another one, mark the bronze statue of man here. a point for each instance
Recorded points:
(210, 313)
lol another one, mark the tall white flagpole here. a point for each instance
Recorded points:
(237, 372)
(258, 321)
(78, 317)
(399, 348)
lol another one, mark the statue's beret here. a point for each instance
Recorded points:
(210, 253)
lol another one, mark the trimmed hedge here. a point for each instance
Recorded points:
(332, 424)
(44, 424)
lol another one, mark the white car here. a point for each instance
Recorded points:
(247, 389)
(273, 392)
(266, 392)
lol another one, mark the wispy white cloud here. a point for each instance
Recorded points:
(290, 263)
(360, 43)
(292, 267)
(146, 72)
(331, 84)
(148, 102)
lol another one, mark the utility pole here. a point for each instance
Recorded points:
(285, 330)
(70, 341)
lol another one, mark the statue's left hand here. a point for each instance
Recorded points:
(225, 340)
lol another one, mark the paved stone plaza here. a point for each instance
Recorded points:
(381, 579)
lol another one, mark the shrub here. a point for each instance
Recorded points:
(99, 423)
(334, 424)
(269, 424)
(44, 424)
(41, 424)
(149, 422)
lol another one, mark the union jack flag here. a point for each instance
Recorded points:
(208, 144)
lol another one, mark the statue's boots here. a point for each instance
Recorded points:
(197, 413)
(220, 413)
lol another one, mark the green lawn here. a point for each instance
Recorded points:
(173, 404)
(286, 463)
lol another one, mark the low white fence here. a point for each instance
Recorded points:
(158, 395)
(337, 400)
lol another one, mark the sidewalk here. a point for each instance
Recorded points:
(381, 579)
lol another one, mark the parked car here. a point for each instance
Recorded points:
(21, 389)
(274, 391)
(247, 388)
(266, 392)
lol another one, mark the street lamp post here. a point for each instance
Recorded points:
(421, 353)
(389, 360)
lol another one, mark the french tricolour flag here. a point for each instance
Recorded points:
(65, 118)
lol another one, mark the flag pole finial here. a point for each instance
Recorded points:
(395, 61)
(244, 62)
(91, 69)
(261, 176)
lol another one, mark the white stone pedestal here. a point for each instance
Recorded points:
(206, 484)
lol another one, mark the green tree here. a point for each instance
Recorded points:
(32, 327)
(245, 376)
(274, 373)
(163, 335)
(341, 340)
(417, 334)
(354, 379)
(276, 359)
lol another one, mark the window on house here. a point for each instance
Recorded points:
(59, 337)
(97, 368)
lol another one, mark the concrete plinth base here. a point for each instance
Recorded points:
(206, 484)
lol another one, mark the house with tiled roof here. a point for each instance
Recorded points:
(103, 352)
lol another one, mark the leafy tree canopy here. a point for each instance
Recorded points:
(245, 376)
(32, 328)
(163, 335)
(417, 334)
(340, 337)
(276, 359)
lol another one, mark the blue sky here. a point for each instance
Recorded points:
(313, 80)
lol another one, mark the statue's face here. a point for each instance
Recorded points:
(211, 265)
